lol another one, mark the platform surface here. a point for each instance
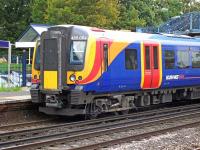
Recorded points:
(14, 97)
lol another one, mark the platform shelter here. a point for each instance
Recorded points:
(28, 38)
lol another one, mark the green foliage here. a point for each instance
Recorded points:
(61, 12)
(190, 5)
(97, 13)
(101, 14)
(129, 16)
(38, 10)
(146, 11)
(16, 15)
(166, 9)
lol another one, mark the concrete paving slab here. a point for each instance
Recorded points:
(14, 97)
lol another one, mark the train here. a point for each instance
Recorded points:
(80, 70)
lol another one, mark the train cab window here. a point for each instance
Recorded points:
(183, 59)
(77, 52)
(195, 59)
(131, 59)
(37, 58)
(169, 59)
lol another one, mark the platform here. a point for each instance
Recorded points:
(14, 97)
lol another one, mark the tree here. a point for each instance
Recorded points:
(15, 17)
(38, 11)
(99, 13)
(129, 16)
(190, 5)
(166, 9)
(146, 11)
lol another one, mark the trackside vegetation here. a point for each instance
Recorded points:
(16, 15)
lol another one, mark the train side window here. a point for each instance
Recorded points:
(183, 59)
(195, 59)
(155, 56)
(131, 59)
(169, 59)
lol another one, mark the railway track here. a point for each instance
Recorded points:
(62, 127)
(31, 124)
(35, 125)
(135, 137)
(129, 122)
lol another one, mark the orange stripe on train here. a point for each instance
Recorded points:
(114, 49)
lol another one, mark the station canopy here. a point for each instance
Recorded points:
(29, 37)
(4, 44)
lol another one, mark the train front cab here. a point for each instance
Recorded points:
(63, 50)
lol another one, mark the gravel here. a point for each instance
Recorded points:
(185, 139)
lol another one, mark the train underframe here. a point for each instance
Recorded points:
(74, 102)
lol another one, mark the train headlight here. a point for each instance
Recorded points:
(72, 78)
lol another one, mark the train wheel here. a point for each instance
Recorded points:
(124, 112)
(93, 111)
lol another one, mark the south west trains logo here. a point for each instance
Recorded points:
(174, 77)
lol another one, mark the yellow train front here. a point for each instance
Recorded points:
(86, 70)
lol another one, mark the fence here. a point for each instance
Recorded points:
(17, 69)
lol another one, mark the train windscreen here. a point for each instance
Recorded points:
(37, 58)
(77, 52)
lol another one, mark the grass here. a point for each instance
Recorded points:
(10, 89)
(13, 67)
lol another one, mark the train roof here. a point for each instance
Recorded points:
(126, 36)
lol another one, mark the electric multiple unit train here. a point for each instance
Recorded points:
(86, 70)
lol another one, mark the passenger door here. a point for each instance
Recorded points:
(152, 66)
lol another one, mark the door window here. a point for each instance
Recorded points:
(147, 57)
